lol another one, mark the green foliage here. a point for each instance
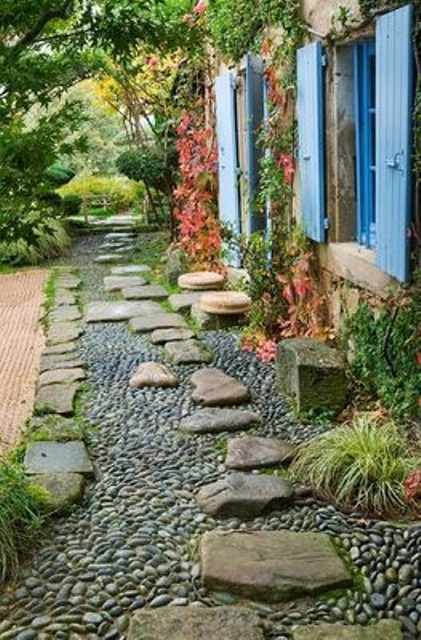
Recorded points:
(97, 191)
(385, 345)
(143, 165)
(71, 204)
(362, 466)
(59, 175)
(21, 509)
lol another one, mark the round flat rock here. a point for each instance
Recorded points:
(225, 302)
(201, 280)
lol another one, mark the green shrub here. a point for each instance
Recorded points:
(95, 191)
(143, 165)
(21, 509)
(71, 205)
(362, 466)
(57, 174)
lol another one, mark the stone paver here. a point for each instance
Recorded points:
(64, 299)
(119, 310)
(62, 347)
(255, 453)
(109, 258)
(145, 292)
(65, 313)
(184, 301)
(57, 398)
(68, 282)
(130, 269)
(245, 496)
(119, 235)
(214, 420)
(153, 374)
(57, 457)
(271, 566)
(57, 376)
(214, 387)
(187, 352)
(60, 361)
(383, 630)
(59, 332)
(55, 428)
(181, 623)
(115, 283)
(161, 336)
(64, 489)
(144, 324)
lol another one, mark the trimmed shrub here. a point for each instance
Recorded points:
(362, 466)
(104, 191)
(71, 205)
(143, 165)
(57, 174)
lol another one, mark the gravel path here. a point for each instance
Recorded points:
(133, 542)
(21, 342)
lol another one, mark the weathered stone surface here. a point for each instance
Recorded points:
(181, 623)
(217, 420)
(176, 264)
(109, 258)
(130, 269)
(125, 249)
(115, 283)
(160, 320)
(57, 398)
(63, 489)
(60, 332)
(57, 457)
(119, 310)
(60, 361)
(201, 280)
(255, 453)
(187, 352)
(153, 374)
(214, 387)
(119, 235)
(160, 336)
(184, 301)
(145, 292)
(68, 282)
(64, 299)
(66, 313)
(56, 428)
(245, 496)
(214, 321)
(225, 302)
(63, 347)
(57, 376)
(271, 566)
(382, 630)
(311, 373)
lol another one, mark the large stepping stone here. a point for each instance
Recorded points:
(184, 301)
(130, 269)
(64, 299)
(160, 320)
(187, 352)
(217, 420)
(57, 457)
(245, 496)
(119, 310)
(63, 489)
(58, 376)
(109, 258)
(146, 292)
(161, 336)
(56, 398)
(382, 630)
(214, 387)
(201, 280)
(119, 235)
(66, 313)
(63, 347)
(251, 452)
(59, 332)
(115, 283)
(153, 374)
(190, 623)
(271, 566)
(225, 303)
(60, 361)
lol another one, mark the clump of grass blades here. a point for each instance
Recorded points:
(21, 515)
(362, 466)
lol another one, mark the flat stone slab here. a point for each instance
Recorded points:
(130, 269)
(65, 299)
(382, 630)
(57, 398)
(214, 321)
(55, 428)
(60, 361)
(251, 452)
(217, 420)
(194, 623)
(58, 376)
(187, 352)
(68, 282)
(63, 347)
(153, 374)
(160, 320)
(65, 313)
(225, 302)
(119, 235)
(127, 248)
(161, 336)
(184, 301)
(109, 258)
(115, 283)
(57, 457)
(214, 387)
(245, 496)
(119, 310)
(145, 292)
(271, 566)
(60, 332)
(201, 280)
(63, 489)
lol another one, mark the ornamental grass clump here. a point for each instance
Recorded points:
(362, 466)
(21, 515)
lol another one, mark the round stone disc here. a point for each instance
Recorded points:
(201, 280)
(225, 302)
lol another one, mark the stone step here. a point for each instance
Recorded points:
(119, 310)
(225, 303)
(268, 566)
(145, 292)
(382, 630)
(57, 457)
(159, 320)
(59, 332)
(187, 352)
(62, 375)
(251, 452)
(115, 283)
(109, 258)
(57, 398)
(184, 301)
(153, 374)
(130, 269)
(63, 489)
(213, 387)
(201, 280)
(214, 420)
(161, 336)
(245, 496)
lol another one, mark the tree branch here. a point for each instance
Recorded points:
(51, 14)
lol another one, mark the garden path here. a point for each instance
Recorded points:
(21, 341)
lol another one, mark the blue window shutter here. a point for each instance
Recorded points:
(229, 209)
(394, 81)
(254, 119)
(310, 110)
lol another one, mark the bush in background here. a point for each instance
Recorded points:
(71, 205)
(143, 165)
(58, 174)
(95, 191)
